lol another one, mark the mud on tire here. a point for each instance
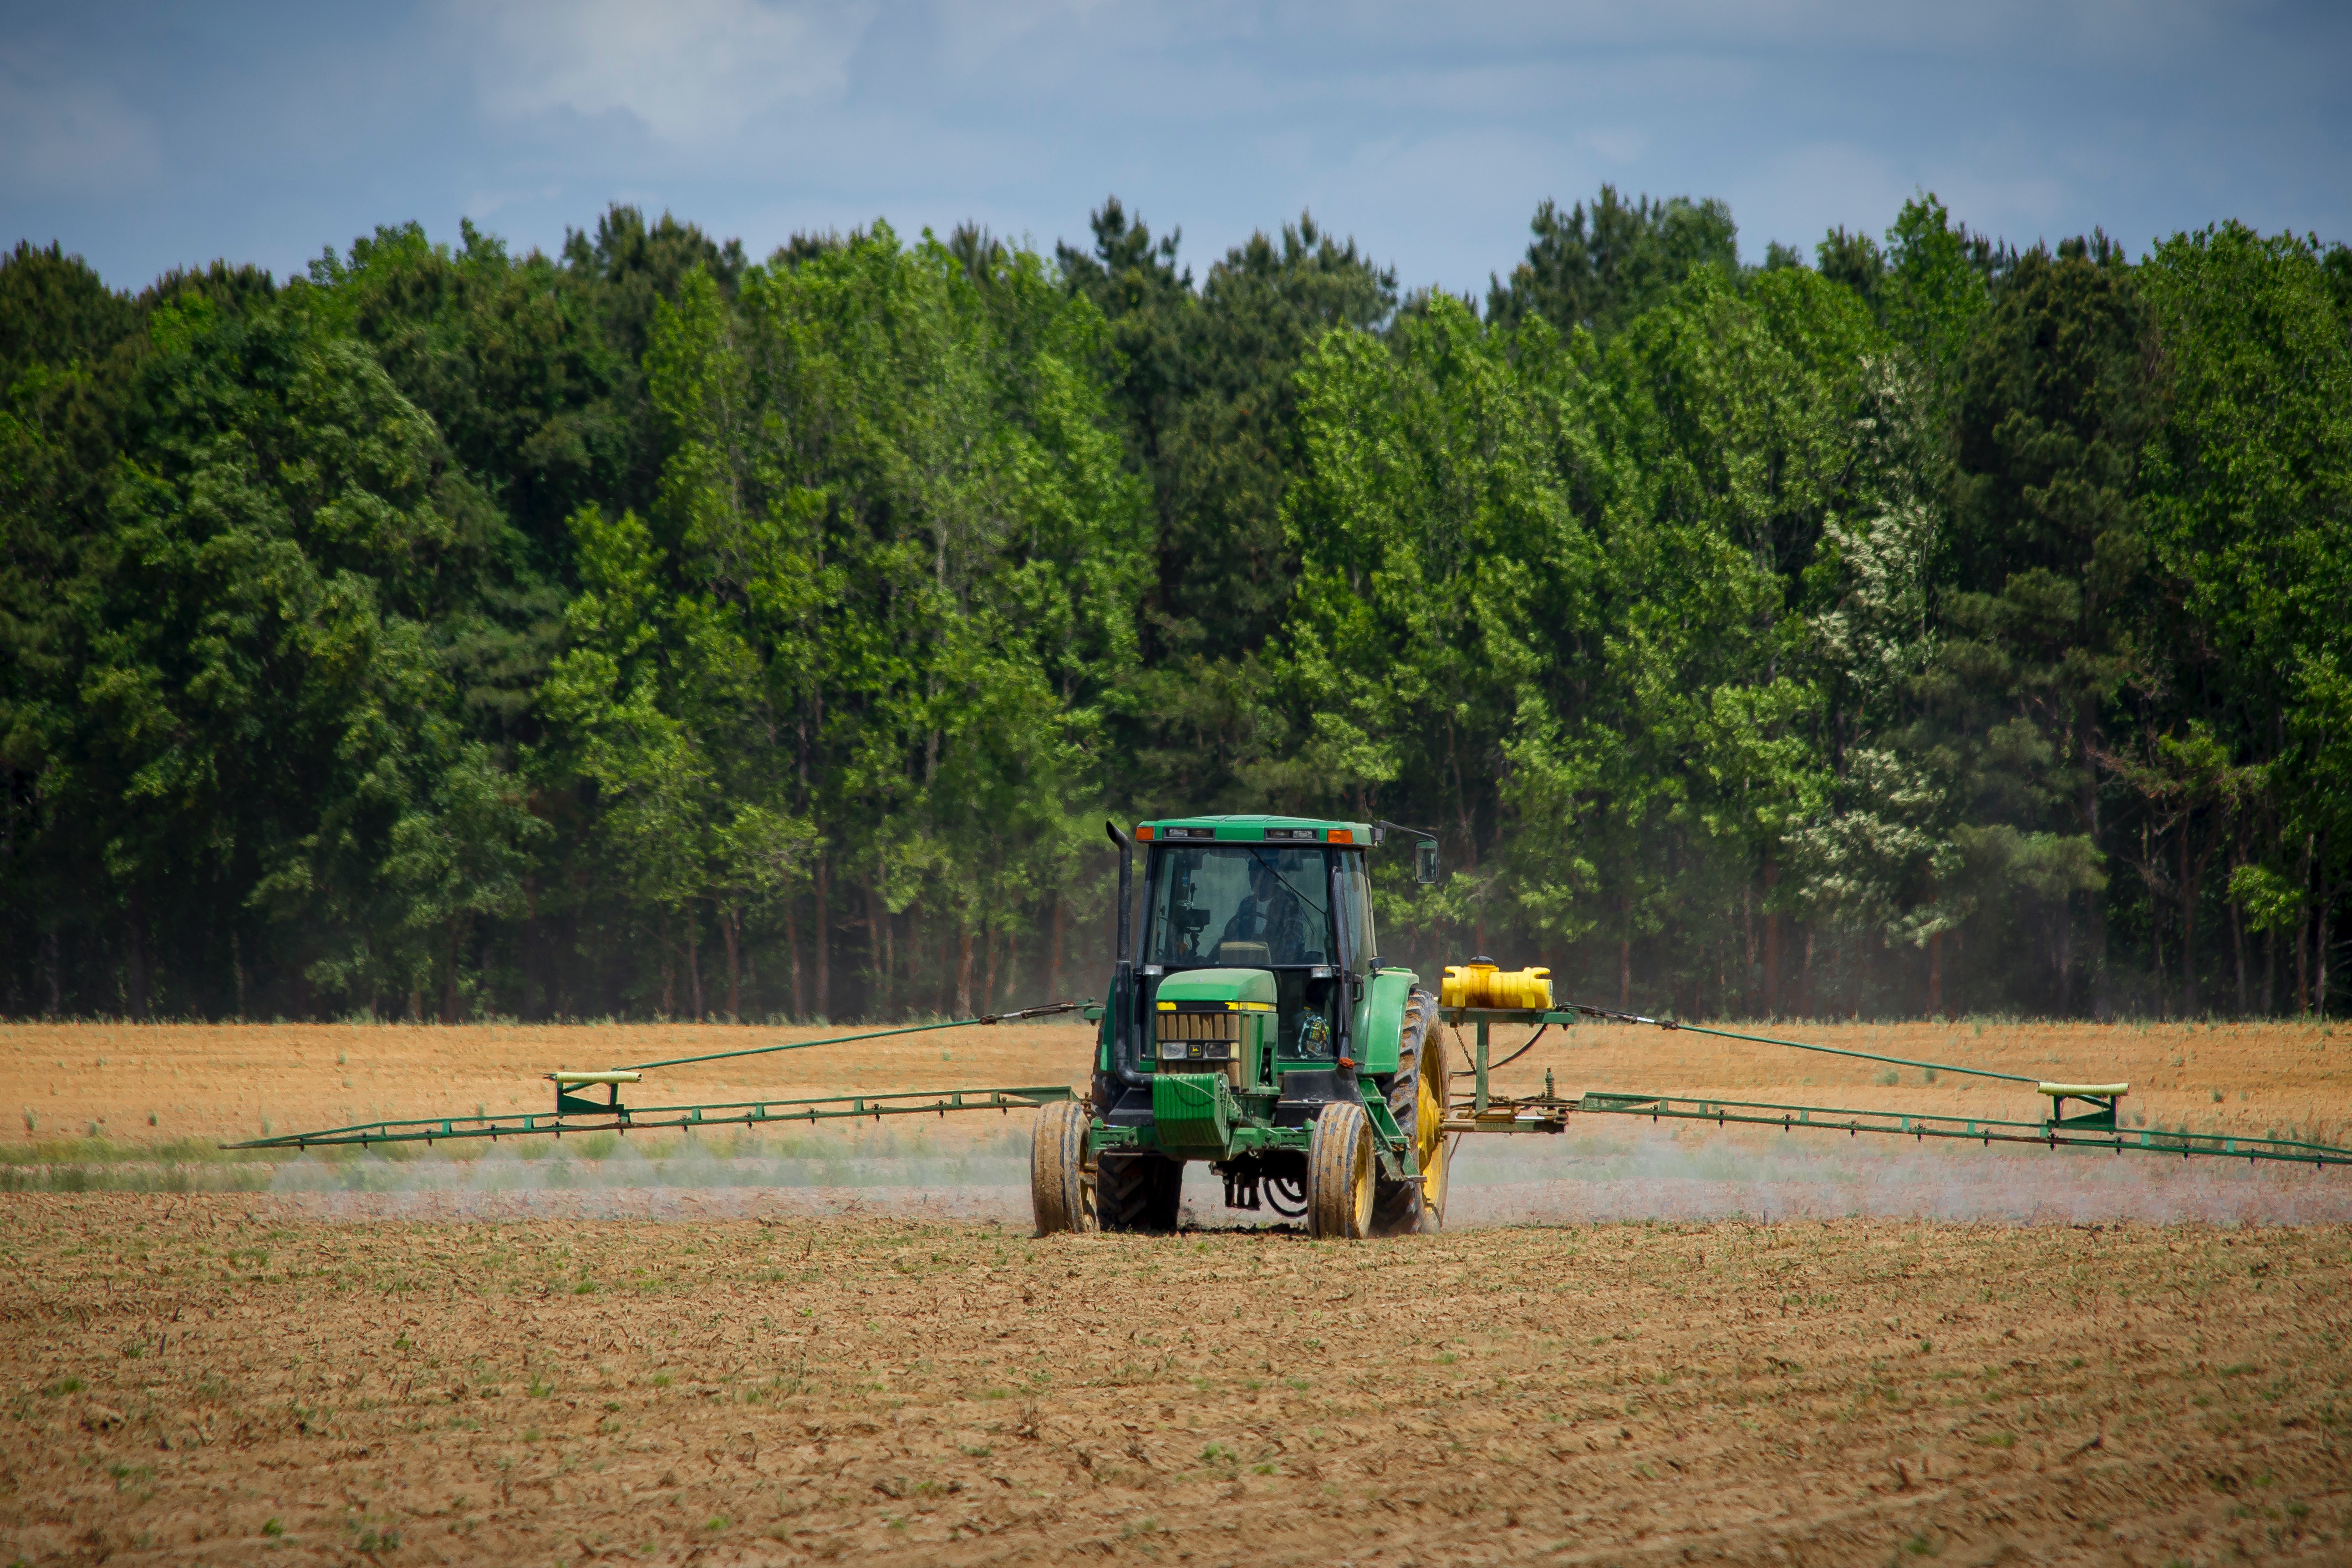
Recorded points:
(1058, 1194)
(1339, 1170)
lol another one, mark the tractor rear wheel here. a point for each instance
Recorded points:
(1339, 1173)
(1138, 1192)
(1058, 1193)
(1416, 1096)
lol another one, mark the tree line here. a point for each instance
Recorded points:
(641, 630)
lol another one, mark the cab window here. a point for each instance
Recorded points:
(1356, 912)
(1248, 905)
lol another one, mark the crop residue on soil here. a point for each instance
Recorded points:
(840, 1343)
(222, 1378)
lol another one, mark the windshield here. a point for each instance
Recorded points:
(1252, 906)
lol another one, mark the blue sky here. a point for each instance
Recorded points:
(145, 136)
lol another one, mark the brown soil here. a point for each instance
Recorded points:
(902, 1373)
(220, 1379)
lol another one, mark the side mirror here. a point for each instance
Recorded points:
(1424, 861)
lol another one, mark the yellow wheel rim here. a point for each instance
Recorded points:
(1429, 1135)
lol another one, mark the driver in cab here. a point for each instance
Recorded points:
(1272, 914)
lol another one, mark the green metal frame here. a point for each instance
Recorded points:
(2098, 1128)
(2067, 1132)
(570, 1108)
(661, 1118)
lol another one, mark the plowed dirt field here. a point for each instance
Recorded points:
(769, 1353)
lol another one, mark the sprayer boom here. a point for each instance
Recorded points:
(1252, 1026)
(575, 1111)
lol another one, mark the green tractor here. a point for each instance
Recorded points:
(1258, 1031)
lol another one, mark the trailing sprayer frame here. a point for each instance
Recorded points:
(1252, 1026)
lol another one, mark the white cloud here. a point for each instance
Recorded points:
(67, 137)
(2089, 29)
(1430, 135)
(688, 71)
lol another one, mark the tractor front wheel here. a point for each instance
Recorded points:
(1339, 1173)
(1058, 1193)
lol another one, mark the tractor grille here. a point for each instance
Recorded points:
(1202, 1042)
(1200, 1025)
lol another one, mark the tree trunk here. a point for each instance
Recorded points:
(2270, 972)
(988, 988)
(2096, 948)
(728, 920)
(878, 932)
(945, 994)
(449, 976)
(2153, 878)
(823, 940)
(1625, 975)
(1805, 977)
(2238, 944)
(2066, 956)
(793, 955)
(1755, 960)
(53, 971)
(134, 952)
(694, 965)
(1867, 974)
(2302, 936)
(1468, 819)
(2188, 999)
(669, 969)
(1054, 962)
(1771, 938)
(8, 873)
(2325, 933)
(1935, 975)
(963, 969)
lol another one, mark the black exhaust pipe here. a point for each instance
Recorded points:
(1126, 889)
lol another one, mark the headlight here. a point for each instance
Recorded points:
(1196, 1050)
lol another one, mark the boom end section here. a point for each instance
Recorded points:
(576, 1105)
(2100, 1097)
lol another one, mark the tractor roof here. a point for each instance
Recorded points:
(1256, 830)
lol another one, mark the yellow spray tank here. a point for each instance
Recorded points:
(1478, 984)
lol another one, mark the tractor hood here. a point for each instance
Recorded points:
(1252, 988)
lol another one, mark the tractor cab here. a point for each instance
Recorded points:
(1254, 963)
(1296, 907)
